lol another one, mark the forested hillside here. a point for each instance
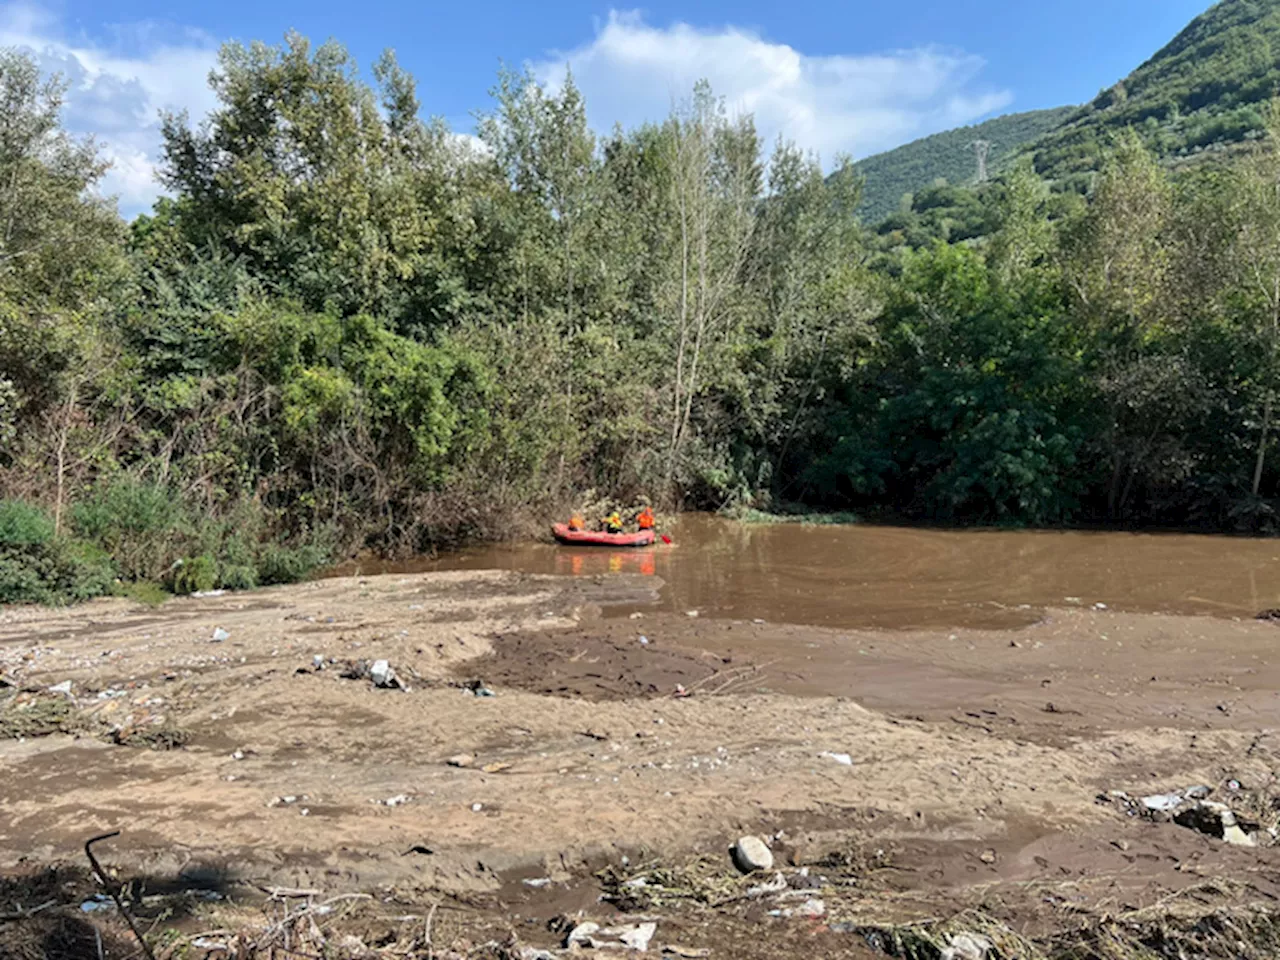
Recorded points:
(948, 156)
(348, 329)
(1203, 93)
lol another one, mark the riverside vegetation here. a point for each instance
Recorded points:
(348, 328)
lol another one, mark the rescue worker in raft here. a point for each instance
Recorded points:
(644, 519)
(612, 523)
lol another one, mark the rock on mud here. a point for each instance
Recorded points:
(750, 854)
(1215, 820)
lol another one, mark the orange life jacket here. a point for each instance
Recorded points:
(645, 520)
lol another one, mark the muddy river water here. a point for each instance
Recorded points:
(897, 577)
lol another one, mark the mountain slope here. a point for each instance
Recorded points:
(947, 156)
(1201, 92)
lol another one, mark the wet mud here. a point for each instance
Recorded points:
(910, 773)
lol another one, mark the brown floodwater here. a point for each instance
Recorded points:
(906, 577)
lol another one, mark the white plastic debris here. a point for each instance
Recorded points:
(63, 688)
(638, 937)
(841, 758)
(220, 635)
(1163, 802)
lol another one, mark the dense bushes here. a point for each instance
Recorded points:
(38, 566)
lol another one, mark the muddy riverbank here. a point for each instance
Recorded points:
(241, 746)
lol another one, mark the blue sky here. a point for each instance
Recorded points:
(855, 77)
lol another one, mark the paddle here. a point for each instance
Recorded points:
(665, 539)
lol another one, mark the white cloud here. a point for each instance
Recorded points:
(859, 104)
(119, 83)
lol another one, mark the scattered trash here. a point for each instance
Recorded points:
(97, 904)
(381, 674)
(811, 908)
(1215, 820)
(750, 854)
(202, 594)
(1163, 802)
(219, 635)
(841, 758)
(495, 767)
(317, 662)
(204, 943)
(63, 688)
(538, 883)
(644, 641)
(484, 692)
(398, 800)
(638, 937)
(758, 622)
(691, 613)
(637, 616)
(477, 807)
(238, 755)
(988, 856)
(461, 760)
(631, 937)
(1099, 606)
(968, 946)
(581, 933)
(532, 953)
(686, 953)
(776, 884)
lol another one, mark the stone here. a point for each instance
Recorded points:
(638, 937)
(750, 854)
(581, 934)
(381, 674)
(462, 760)
(988, 856)
(967, 946)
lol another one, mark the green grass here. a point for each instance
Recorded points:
(145, 592)
(753, 517)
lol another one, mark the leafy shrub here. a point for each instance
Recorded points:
(38, 567)
(195, 574)
(23, 526)
(280, 564)
(139, 524)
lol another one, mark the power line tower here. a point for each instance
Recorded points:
(981, 148)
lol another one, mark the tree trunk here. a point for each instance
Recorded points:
(1262, 444)
(63, 436)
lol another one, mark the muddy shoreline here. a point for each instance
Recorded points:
(913, 774)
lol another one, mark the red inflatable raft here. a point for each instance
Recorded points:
(589, 538)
